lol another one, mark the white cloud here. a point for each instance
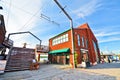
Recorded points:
(20, 14)
(107, 33)
(117, 51)
(21, 17)
(102, 34)
(87, 9)
(109, 39)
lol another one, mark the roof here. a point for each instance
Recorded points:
(60, 33)
(84, 26)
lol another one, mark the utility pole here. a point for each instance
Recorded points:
(71, 26)
(1, 7)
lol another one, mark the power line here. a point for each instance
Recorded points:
(48, 19)
(8, 12)
(42, 15)
(29, 20)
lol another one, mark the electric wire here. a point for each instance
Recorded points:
(40, 17)
(24, 26)
(77, 23)
(9, 12)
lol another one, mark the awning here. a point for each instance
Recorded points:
(65, 50)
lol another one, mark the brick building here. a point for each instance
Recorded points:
(85, 45)
(2, 30)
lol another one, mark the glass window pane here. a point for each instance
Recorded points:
(78, 38)
(83, 41)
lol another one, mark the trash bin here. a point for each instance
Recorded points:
(87, 64)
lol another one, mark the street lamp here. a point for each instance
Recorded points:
(71, 26)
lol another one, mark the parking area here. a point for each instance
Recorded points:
(63, 72)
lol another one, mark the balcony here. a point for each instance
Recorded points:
(8, 43)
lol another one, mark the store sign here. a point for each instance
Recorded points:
(84, 50)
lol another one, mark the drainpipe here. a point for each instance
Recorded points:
(71, 26)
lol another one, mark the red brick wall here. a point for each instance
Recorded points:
(2, 35)
(88, 34)
(2, 30)
(83, 31)
(63, 45)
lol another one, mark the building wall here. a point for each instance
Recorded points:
(2, 29)
(62, 45)
(83, 31)
(92, 47)
(86, 32)
(1, 36)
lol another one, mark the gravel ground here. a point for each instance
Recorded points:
(60, 72)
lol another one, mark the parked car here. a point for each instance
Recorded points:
(115, 58)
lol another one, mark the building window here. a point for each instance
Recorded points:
(60, 39)
(83, 41)
(66, 37)
(86, 43)
(95, 48)
(0, 22)
(78, 38)
(63, 38)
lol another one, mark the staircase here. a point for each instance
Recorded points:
(19, 59)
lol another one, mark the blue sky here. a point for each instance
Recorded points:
(25, 15)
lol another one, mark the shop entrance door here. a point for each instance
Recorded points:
(67, 59)
(85, 58)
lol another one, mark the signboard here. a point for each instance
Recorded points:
(42, 48)
(8, 43)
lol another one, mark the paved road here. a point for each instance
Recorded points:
(57, 72)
